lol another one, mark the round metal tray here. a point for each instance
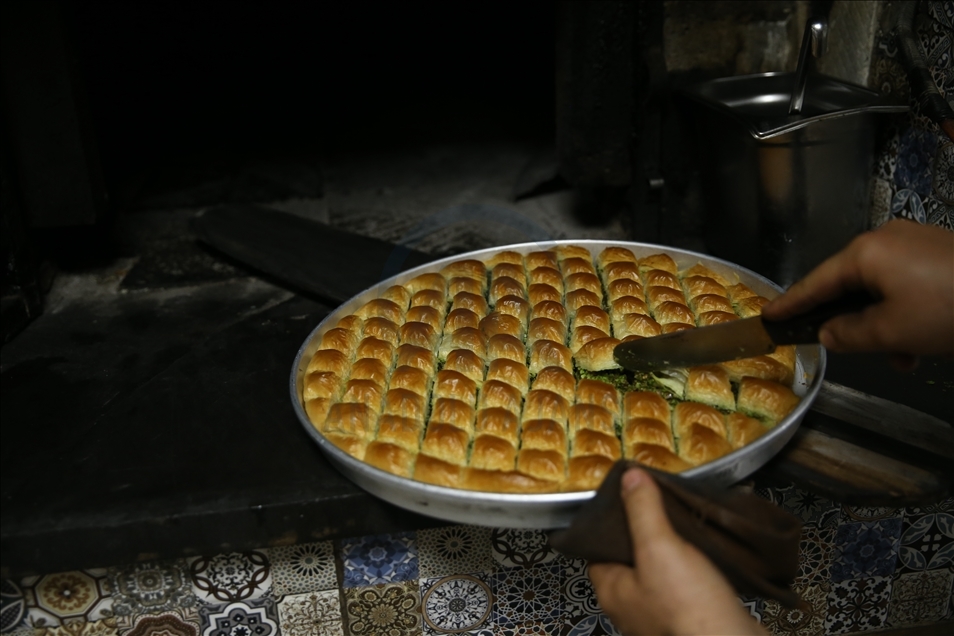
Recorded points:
(552, 510)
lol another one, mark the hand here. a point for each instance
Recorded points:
(910, 267)
(673, 589)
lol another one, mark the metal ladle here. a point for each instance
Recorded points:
(815, 39)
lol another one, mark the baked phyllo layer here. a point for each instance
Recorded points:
(499, 376)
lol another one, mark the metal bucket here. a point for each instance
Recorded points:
(784, 192)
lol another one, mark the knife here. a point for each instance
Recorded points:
(743, 338)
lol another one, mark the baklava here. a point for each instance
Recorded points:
(499, 375)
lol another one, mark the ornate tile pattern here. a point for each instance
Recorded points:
(165, 624)
(754, 605)
(927, 542)
(799, 622)
(311, 614)
(230, 577)
(921, 597)
(582, 614)
(303, 568)
(68, 597)
(105, 627)
(454, 550)
(12, 606)
(857, 605)
(455, 604)
(807, 506)
(814, 554)
(915, 158)
(907, 204)
(941, 506)
(944, 172)
(258, 617)
(521, 548)
(529, 628)
(593, 625)
(868, 513)
(381, 559)
(527, 595)
(506, 582)
(880, 202)
(864, 549)
(151, 588)
(579, 597)
(387, 609)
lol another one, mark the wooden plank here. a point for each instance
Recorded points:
(310, 256)
(851, 474)
(884, 417)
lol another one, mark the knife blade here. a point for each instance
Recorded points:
(744, 338)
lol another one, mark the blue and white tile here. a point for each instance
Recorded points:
(458, 604)
(454, 550)
(938, 213)
(927, 542)
(307, 567)
(944, 172)
(387, 558)
(945, 505)
(525, 596)
(316, 613)
(887, 160)
(528, 628)
(521, 548)
(865, 549)
(250, 616)
(858, 605)
(235, 576)
(907, 204)
(592, 625)
(13, 609)
(582, 614)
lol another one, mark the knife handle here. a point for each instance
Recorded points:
(803, 329)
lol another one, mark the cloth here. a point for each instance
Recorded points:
(753, 542)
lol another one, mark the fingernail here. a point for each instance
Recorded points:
(827, 339)
(633, 479)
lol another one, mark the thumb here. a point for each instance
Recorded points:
(647, 518)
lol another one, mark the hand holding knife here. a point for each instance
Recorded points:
(743, 338)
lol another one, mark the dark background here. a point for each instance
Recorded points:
(170, 80)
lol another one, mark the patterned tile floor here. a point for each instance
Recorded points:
(860, 569)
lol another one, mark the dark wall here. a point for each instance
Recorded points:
(168, 78)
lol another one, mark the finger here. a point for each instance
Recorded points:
(603, 575)
(868, 330)
(648, 522)
(828, 281)
(615, 586)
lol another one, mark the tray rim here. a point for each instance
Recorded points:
(381, 483)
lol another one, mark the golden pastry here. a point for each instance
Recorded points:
(499, 375)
